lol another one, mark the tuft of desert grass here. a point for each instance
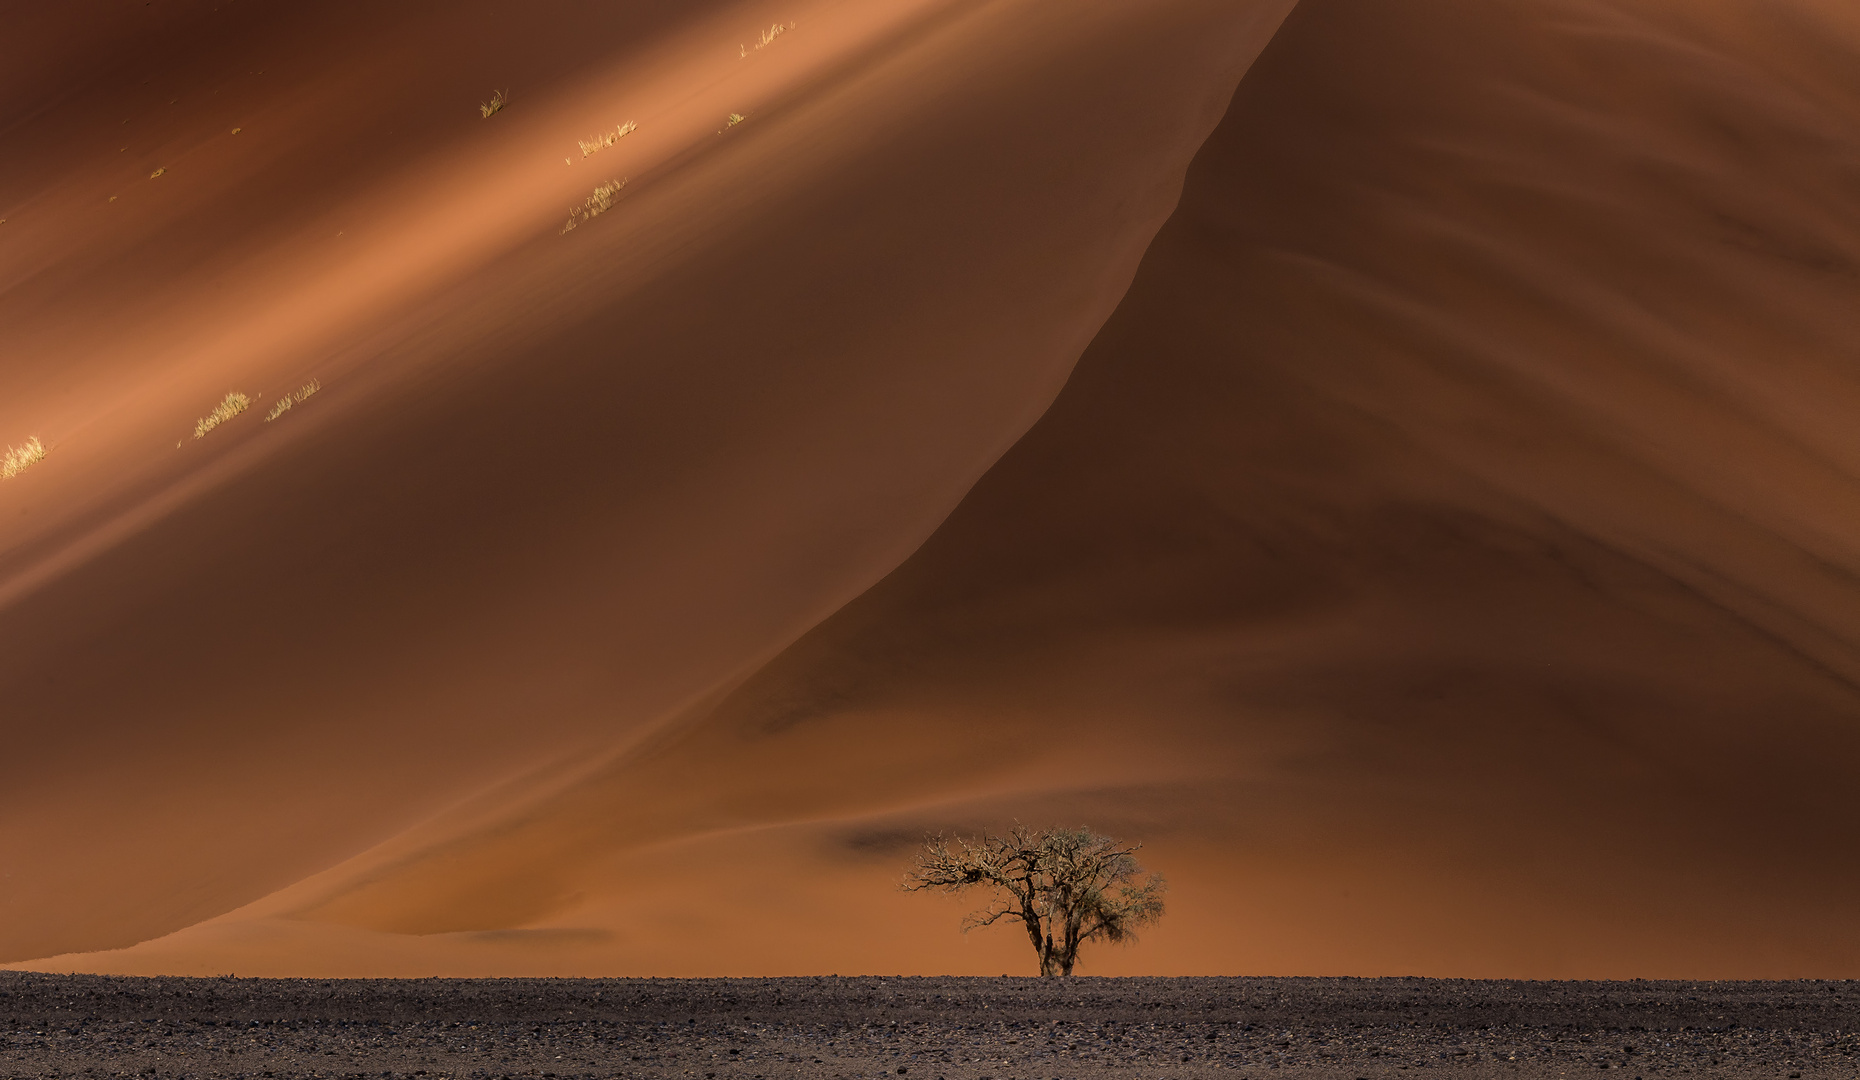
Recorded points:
(18, 459)
(296, 397)
(230, 406)
(606, 139)
(734, 119)
(158, 172)
(499, 99)
(596, 205)
(768, 38)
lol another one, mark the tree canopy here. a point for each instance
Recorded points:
(1065, 886)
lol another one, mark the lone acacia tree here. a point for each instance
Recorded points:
(1066, 886)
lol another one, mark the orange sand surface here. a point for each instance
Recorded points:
(1433, 529)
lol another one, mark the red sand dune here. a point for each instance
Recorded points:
(1444, 558)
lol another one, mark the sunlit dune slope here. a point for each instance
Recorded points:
(555, 484)
(1445, 558)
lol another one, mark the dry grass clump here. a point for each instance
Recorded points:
(157, 172)
(18, 459)
(733, 120)
(768, 38)
(230, 406)
(499, 99)
(283, 404)
(607, 139)
(596, 205)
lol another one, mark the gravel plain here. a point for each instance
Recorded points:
(832, 1028)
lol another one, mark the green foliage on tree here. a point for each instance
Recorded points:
(1065, 886)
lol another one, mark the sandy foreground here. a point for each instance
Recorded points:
(947, 1028)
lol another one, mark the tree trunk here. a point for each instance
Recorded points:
(1069, 950)
(1042, 942)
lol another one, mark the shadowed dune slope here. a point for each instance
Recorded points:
(557, 483)
(1445, 558)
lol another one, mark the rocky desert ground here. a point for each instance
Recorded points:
(834, 1028)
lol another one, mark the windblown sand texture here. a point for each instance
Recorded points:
(1431, 527)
